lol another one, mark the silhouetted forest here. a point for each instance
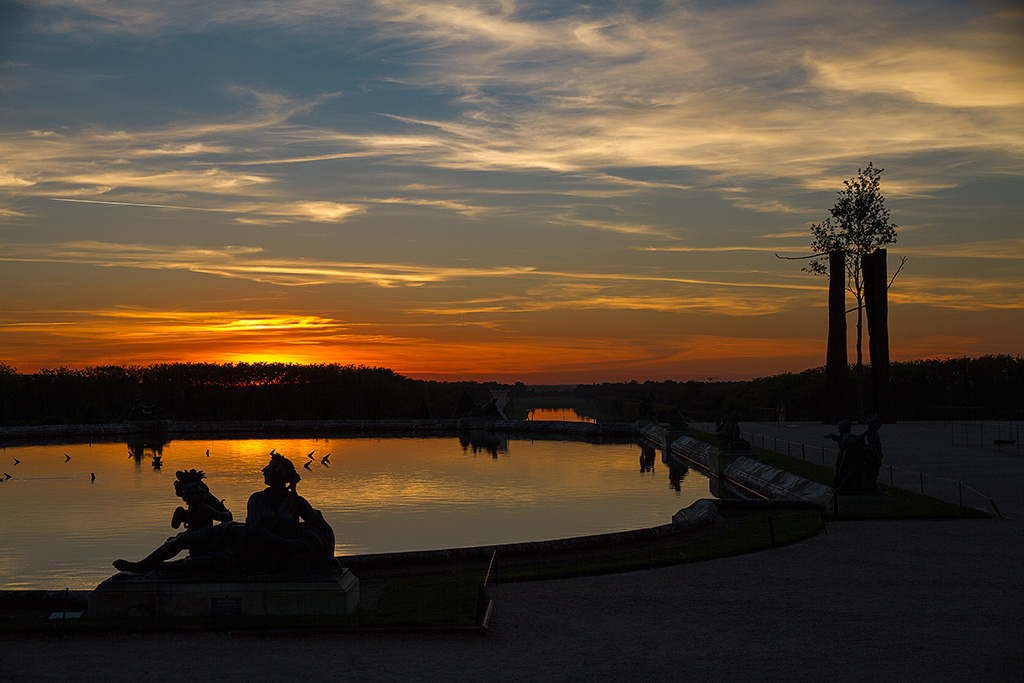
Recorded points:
(222, 392)
(985, 388)
(990, 387)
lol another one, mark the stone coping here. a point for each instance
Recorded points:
(686, 525)
(744, 471)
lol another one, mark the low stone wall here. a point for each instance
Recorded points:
(777, 484)
(684, 527)
(61, 431)
(743, 471)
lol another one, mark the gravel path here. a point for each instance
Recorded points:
(890, 601)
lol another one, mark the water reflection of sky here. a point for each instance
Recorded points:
(558, 415)
(62, 529)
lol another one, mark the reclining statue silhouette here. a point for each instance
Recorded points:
(282, 537)
(203, 508)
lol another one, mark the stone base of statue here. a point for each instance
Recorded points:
(472, 422)
(861, 505)
(128, 595)
(147, 426)
(719, 460)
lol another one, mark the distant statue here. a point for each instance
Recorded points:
(676, 421)
(859, 459)
(647, 407)
(728, 430)
(282, 537)
(489, 410)
(873, 446)
(140, 411)
(466, 405)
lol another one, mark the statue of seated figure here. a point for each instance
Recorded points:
(282, 537)
(728, 430)
(202, 507)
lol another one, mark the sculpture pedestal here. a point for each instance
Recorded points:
(720, 460)
(864, 505)
(142, 597)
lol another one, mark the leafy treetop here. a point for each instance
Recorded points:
(859, 224)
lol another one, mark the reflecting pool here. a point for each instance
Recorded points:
(62, 526)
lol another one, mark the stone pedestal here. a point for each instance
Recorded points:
(864, 505)
(671, 435)
(720, 460)
(154, 598)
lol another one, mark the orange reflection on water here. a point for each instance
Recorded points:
(558, 415)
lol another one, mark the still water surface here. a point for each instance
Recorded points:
(60, 528)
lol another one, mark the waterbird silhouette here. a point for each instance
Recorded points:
(306, 465)
(16, 461)
(6, 476)
(310, 454)
(93, 476)
(66, 457)
(207, 452)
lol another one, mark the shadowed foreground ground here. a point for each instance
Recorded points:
(895, 600)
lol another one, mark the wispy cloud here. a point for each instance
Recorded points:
(249, 212)
(488, 167)
(244, 262)
(645, 90)
(1010, 249)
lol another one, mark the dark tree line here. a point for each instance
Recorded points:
(989, 387)
(223, 392)
(985, 388)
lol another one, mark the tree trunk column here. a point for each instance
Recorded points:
(876, 301)
(837, 366)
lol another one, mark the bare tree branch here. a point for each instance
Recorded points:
(903, 262)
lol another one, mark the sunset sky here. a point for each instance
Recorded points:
(537, 191)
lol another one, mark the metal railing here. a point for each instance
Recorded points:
(1004, 437)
